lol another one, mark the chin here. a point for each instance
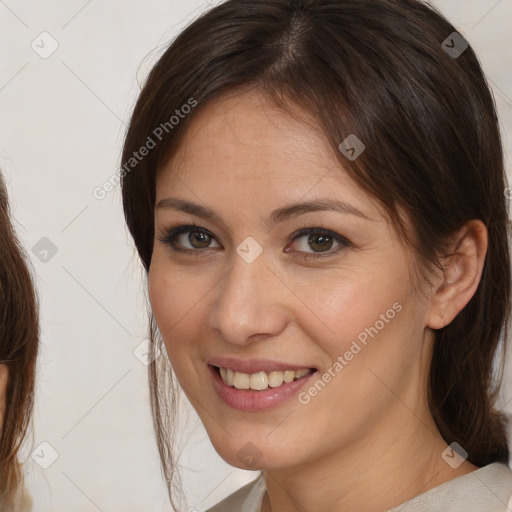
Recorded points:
(250, 454)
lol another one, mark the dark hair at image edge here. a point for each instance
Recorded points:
(19, 331)
(376, 69)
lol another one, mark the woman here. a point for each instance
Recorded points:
(19, 332)
(316, 191)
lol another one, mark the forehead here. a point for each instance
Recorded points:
(244, 129)
(246, 142)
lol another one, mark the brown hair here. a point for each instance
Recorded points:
(376, 69)
(19, 336)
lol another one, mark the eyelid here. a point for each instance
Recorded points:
(318, 229)
(169, 235)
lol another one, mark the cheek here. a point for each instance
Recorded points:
(179, 300)
(370, 329)
(379, 358)
(346, 308)
(175, 294)
(174, 306)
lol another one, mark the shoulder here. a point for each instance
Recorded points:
(488, 489)
(248, 498)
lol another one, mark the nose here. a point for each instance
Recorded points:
(249, 303)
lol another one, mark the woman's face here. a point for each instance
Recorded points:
(293, 273)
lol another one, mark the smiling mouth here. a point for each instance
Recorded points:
(260, 381)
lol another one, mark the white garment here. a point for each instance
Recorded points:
(487, 489)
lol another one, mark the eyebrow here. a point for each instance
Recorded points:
(277, 216)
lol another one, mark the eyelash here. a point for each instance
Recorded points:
(173, 231)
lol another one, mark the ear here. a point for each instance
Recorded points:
(461, 277)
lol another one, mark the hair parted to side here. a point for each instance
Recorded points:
(19, 338)
(376, 69)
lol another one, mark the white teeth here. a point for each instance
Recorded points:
(289, 375)
(241, 380)
(275, 379)
(261, 380)
(258, 381)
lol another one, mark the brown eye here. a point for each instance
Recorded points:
(320, 243)
(189, 238)
(311, 242)
(199, 239)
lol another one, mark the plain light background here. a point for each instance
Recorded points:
(61, 130)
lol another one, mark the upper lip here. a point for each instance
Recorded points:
(254, 365)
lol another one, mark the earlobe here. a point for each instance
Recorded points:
(462, 271)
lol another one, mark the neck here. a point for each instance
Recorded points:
(386, 466)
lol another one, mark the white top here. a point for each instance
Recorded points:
(488, 489)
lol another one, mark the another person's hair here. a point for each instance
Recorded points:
(376, 69)
(19, 336)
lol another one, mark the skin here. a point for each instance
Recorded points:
(368, 437)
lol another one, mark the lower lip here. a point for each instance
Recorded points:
(251, 400)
